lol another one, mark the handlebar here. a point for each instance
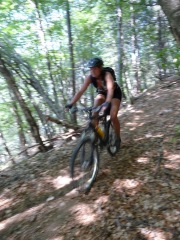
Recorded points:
(89, 110)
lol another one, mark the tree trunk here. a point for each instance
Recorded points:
(161, 44)
(40, 115)
(71, 50)
(119, 42)
(171, 9)
(14, 62)
(44, 44)
(30, 119)
(6, 147)
(22, 138)
(135, 51)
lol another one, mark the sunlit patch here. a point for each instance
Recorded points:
(64, 172)
(138, 139)
(172, 216)
(84, 214)
(73, 193)
(61, 181)
(174, 161)
(21, 216)
(137, 117)
(155, 234)
(58, 238)
(131, 185)
(136, 111)
(5, 202)
(102, 199)
(143, 160)
(133, 124)
(132, 129)
(149, 135)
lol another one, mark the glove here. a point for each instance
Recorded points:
(106, 107)
(69, 106)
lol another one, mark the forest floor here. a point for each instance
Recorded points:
(136, 195)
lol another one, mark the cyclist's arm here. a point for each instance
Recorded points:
(82, 90)
(110, 86)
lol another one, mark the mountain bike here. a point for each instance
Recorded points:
(85, 159)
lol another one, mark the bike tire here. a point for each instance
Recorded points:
(84, 165)
(112, 148)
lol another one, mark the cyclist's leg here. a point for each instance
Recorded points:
(115, 105)
(100, 99)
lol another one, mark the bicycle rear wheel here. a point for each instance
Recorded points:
(84, 165)
(112, 147)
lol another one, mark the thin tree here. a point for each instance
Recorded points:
(135, 51)
(19, 121)
(44, 45)
(3, 141)
(71, 50)
(8, 76)
(120, 44)
(161, 45)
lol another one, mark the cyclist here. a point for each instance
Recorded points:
(108, 92)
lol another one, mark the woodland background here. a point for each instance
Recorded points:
(44, 48)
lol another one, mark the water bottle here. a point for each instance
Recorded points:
(100, 132)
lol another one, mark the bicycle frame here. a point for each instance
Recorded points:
(105, 124)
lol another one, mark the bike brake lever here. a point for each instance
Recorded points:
(73, 109)
(97, 109)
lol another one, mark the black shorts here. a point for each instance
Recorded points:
(117, 92)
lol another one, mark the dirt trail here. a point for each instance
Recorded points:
(136, 195)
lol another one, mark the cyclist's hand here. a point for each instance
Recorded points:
(68, 106)
(106, 106)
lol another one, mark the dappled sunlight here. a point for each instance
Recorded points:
(21, 216)
(84, 214)
(58, 182)
(149, 135)
(136, 111)
(155, 234)
(64, 172)
(173, 161)
(172, 215)
(134, 125)
(5, 202)
(153, 95)
(143, 160)
(130, 185)
(57, 238)
(73, 193)
(102, 199)
(131, 124)
(130, 108)
(61, 181)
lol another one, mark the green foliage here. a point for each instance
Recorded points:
(177, 129)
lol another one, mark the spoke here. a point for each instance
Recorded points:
(84, 165)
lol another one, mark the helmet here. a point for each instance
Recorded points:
(95, 62)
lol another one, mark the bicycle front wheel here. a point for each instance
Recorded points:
(112, 147)
(84, 165)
